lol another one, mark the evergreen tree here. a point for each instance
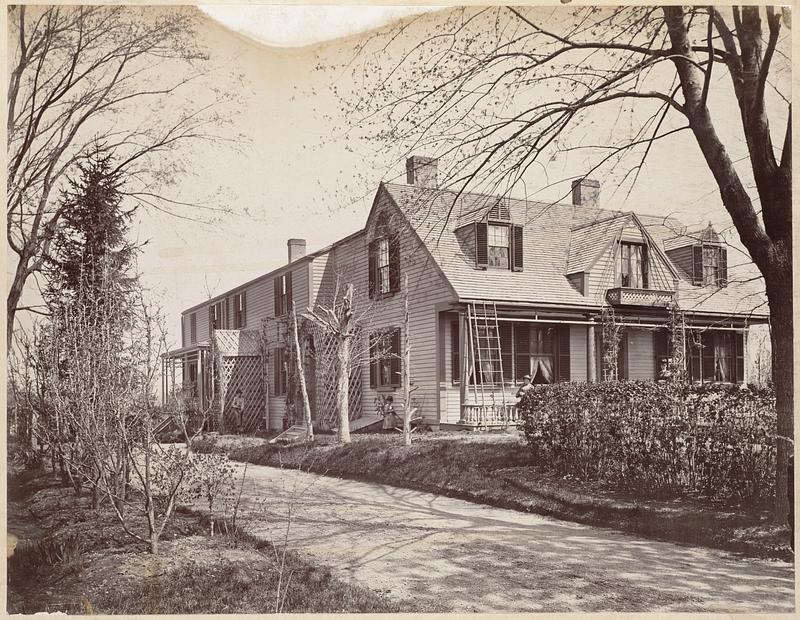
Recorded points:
(91, 256)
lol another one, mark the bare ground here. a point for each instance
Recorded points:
(433, 552)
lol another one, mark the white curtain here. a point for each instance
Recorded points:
(541, 365)
(721, 354)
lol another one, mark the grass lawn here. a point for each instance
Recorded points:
(70, 558)
(495, 469)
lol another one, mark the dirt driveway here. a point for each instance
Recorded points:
(457, 556)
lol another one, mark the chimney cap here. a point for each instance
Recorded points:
(586, 182)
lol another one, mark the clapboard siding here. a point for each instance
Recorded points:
(577, 353)
(260, 312)
(683, 259)
(641, 360)
(348, 261)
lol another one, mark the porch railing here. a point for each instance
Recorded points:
(489, 415)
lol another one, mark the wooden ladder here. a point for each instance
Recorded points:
(485, 346)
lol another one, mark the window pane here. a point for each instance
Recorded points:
(498, 235)
(383, 252)
(498, 257)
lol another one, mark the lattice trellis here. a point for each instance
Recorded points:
(243, 373)
(238, 366)
(326, 363)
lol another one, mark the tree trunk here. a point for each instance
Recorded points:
(301, 377)
(14, 295)
(343, 389)
(779, 294)
(406, 372)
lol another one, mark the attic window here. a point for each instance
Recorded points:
(384, 264)
(498, 245)
(710, 265)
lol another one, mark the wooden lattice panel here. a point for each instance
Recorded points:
(237, 342)
(242, 373)
(327, 409)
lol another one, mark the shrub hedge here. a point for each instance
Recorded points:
(718, 440)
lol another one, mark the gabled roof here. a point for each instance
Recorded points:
(551, 229)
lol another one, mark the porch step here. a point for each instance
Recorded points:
(290, 435)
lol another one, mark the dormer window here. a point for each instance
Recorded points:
(498, 245)
(710, 265)
(633, 265)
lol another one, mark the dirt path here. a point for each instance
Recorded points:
(459, 556)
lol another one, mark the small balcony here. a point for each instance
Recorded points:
(641, 297)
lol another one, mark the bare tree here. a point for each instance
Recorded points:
(340, 323)
(301, 377)
(407, 411)
(74, 73)
(497, 90)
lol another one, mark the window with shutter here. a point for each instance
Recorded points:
(385, 355)
(283, 293)
(455, 351)
(481, 244)
(193, 327)
(521, 351)
(384, 266)
(280, 371)
(739, 339)
(697, 265)
(373, 269)
(563, 353)
(517, 247)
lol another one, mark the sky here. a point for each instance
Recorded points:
(292, 170)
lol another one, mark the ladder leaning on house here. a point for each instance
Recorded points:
(485, 348)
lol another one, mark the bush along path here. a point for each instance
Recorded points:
(436, 553)
(499, 470)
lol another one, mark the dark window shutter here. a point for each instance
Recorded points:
(695, 357)
(394, 263)
(563, 353)
(183, 331)
(373, 362)
(522, 340)
(622, 356)
(287, 303)
(277, 293)
(697, 265)
(506, 350)
(481, 244)
(661, 349)
(738, 341)
(395, 359)
(455, 358)
(373, 270)
(243, 320)
(517, 248)
(723, 267)
(645, 267)
(707, 354)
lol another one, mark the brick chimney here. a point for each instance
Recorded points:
(297, 249)
(422, 171)
(585, 192)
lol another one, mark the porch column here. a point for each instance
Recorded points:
(591, 363)
(201, 377)
(462, 351)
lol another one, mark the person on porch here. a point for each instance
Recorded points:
(526, 385)
(238, 410)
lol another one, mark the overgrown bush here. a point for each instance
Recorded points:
(718, 440)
